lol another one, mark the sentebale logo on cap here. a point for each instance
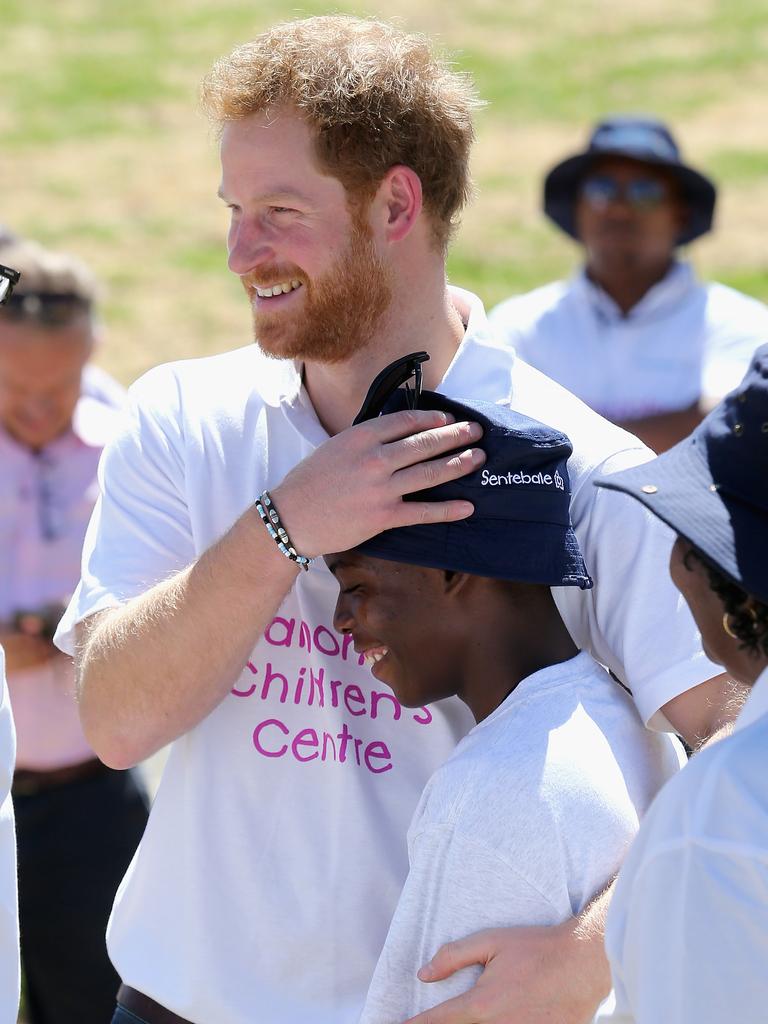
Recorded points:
(521, 478)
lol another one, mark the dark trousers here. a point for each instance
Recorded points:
(75, 842)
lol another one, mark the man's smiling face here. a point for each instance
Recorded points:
(306, 256)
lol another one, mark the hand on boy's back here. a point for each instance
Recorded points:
(352, 486)
(530, 976)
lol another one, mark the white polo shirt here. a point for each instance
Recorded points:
(683, 340)
(9, 910)
(275, 850)
(687, 933)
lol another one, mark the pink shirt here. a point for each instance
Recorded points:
(46, 500)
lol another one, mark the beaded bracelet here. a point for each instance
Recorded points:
(271, 519)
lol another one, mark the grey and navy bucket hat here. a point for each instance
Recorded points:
(712, 487)
(637, 138)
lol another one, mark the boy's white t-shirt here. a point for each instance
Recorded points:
(275, 851)
(525, 823)
(9, 909)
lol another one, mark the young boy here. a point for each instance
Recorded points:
(533, 813)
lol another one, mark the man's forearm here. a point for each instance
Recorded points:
(152, 669)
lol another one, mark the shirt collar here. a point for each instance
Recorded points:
(657, 301)
(756, 704)
(478, 366)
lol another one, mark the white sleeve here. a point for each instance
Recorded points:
(634, 621)
(9, 915)
(695, 945)
(731, 344)
(455, 886)
(140, 531)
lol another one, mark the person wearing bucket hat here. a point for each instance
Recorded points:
(465, 609)
(687, 932)
(634, 333)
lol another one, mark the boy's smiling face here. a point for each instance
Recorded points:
(400, 617)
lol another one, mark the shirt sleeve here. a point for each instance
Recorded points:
(140, 530)
(695, 941)
(741, 325)
(455, 886)
(634, 621)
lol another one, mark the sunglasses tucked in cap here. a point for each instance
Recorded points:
(712, 487)
(8, 279)
(521, 527)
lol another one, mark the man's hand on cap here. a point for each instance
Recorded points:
(352, 487)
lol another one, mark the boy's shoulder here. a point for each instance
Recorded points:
(539, 734)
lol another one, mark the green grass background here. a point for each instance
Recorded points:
(103, 151)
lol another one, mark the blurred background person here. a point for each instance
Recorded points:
(9, 912)
(78, 822)
(634, 333)
(687, 931)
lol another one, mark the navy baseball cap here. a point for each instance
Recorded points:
(637, 138)
(712, 487)
(521, 527)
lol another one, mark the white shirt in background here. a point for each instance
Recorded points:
(9, 910)
(687, 933)
(683, 340)
(528, 820)
(275, 850)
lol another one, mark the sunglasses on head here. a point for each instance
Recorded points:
(51, 309)
(402, 373)
(8, 278)
(599, 190)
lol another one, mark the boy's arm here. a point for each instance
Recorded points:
(456, 884)
(532, 975)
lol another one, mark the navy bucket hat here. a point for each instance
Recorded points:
(637, 138)
(712, 488)
(521, 528)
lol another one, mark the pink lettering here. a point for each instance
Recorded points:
(305, 637)
(285, 627)
(334, 647)
(269, 677)
(305, 738)
(316, 685)
(377, 697)
(354, 695)
(335, 684)
(423, 720)
(327, 738)
(299, 685)
(343, 737)
(379, 751)
(257, 737)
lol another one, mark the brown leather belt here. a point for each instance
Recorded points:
(145, 1008)
(27, 782)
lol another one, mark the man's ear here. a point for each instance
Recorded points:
(400, 199)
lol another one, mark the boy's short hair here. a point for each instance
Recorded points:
(377, 97)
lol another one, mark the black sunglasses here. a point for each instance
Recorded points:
(8, 278)
(52, 309)
(599, 190)
(397, 374)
